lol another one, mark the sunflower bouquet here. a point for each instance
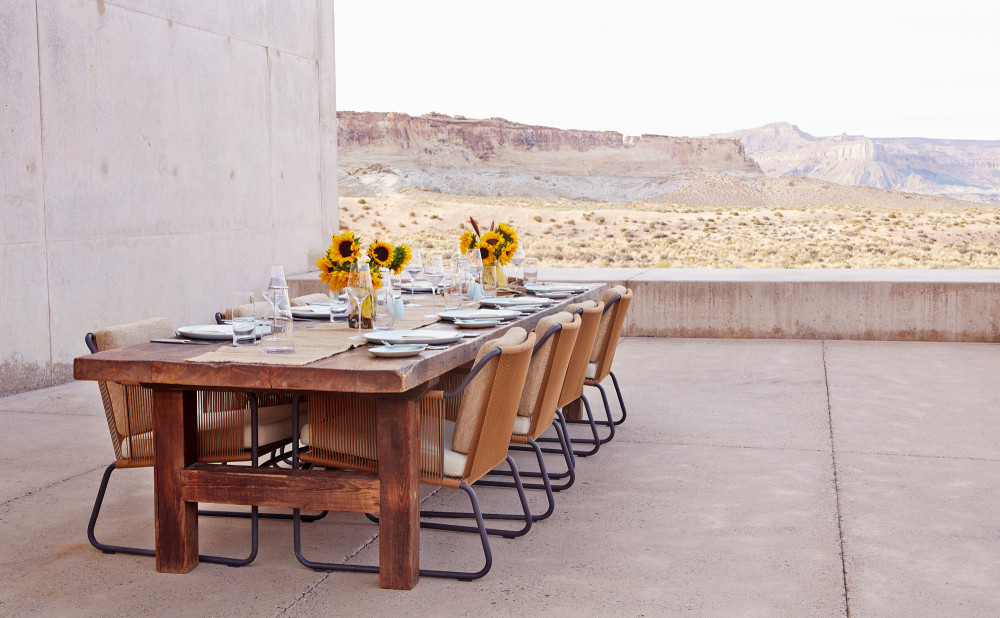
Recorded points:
(498, 244)
(497, 247)
(335, 266)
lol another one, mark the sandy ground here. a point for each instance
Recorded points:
(723, 222)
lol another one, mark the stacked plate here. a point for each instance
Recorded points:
(556, 290)
(319, 312)
(215, 332)
(524, 304)
(424, 336)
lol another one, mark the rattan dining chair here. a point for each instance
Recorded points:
(556, 338)
(458, 443)
(231, 428)
(590, 313)
(616, 303)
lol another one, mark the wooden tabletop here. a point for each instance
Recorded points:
(354, 371)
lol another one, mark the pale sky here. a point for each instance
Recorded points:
(688, 67)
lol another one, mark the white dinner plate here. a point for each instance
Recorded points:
(316, 312)
(478, 314)
(555, 295)
(216, 332)
(394, 337)
(418, 287)
(397, 351)
(516, 301)
(534, 288)
(481, 323)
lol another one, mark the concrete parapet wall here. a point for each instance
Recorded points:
(880, 305)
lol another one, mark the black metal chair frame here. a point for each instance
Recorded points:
(477, 513)
(254, 515)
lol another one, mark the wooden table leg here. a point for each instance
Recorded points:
(399, 495)
(175, 447)
(573, 411)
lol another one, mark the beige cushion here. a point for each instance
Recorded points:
(539, 361)
(522, 424)
(131, 334)
(300, 301)
(602, 330)
(474, 397)
(591, 370)
(587, 304)
(261, 309)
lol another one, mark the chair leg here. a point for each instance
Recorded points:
(570, 468)
(364, 568)
(546, 484)
(508, 534)
(138, 551)
(595, 441)
(621, 402)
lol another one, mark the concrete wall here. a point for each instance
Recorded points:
(157, 156)
(880, 305)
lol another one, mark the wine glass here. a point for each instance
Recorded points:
(518, 257)
(359, 288)
(413, 268)
(434, 272)
(475, 268)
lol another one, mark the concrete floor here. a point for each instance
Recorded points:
(752, 478)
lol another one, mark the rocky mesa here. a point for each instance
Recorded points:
(383, 153)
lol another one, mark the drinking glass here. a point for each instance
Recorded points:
(475, 269)
(452, 288)
(530, 271)
(413, 268)
(433, 273)
(384, 316)
(243, 319)
(359, 288)
(518, 257)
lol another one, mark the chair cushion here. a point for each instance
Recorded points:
(539, 362)
(522, 425)
(473, 398)
(591, 370)
(131, 334)
(274, 424)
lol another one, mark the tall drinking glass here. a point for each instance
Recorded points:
(475, 269)
(359, 288)
(413, 268)
(434, 272)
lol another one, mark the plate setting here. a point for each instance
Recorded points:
(400, 337)
(478, 314)
(477, 323)
(510, 302)
(316, 312)
(215, 332)
(397, 351)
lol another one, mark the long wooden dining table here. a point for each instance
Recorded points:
(180, 483)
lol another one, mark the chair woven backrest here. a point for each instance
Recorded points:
(260, 309)
(129, 407)
(299, 301)
(576, 373)
(547, 370)
(499, 407)
(616, 303)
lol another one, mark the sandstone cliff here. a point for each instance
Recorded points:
(486, 157)
(952, 168)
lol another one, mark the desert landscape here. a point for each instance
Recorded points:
(601, 199)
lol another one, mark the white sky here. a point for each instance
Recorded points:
(882, 68)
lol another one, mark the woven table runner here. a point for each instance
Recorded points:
(318, 340)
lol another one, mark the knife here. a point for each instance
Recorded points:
(191, 341)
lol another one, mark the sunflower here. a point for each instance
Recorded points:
(344, 248)
(487, 253)
(335, 280)
(508, 233)
(507, 254)
(380, 254)
(400, 258)
(468, 242)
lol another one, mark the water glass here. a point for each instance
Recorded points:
(243, 318)
(452, 288)
(530, 266)
(385, 303)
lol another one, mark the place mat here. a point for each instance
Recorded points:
(317, 342)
